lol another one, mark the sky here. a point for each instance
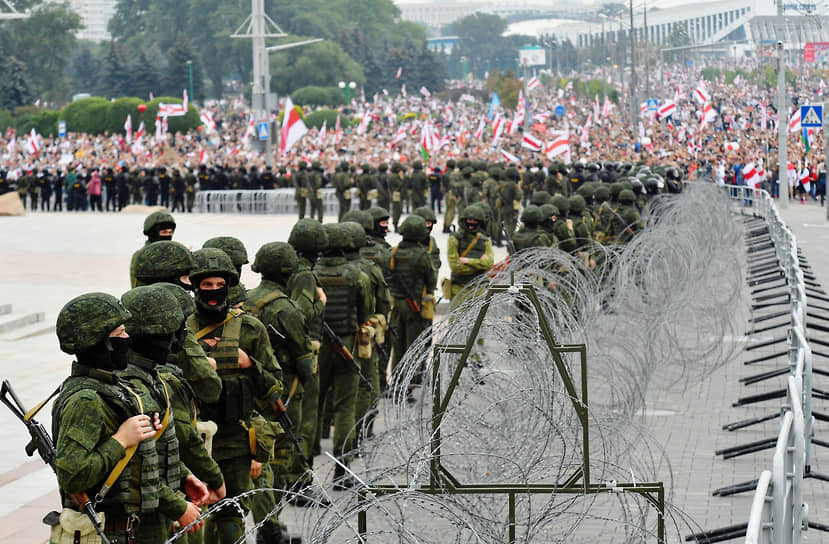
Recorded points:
(654, 3)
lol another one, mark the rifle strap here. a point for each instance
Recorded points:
(119, 467)
(391, 259)
(210, 328)
(33, 412)
(294, 386)
(470, 246)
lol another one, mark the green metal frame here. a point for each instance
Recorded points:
(441, 480)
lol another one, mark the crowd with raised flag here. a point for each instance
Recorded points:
(704, 127)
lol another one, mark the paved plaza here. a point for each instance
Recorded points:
(49, 258)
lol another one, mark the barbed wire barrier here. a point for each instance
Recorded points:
(660, 309)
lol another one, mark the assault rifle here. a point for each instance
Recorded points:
(414, 305)
(42, 443)
(341, 349)
(510, 243)
(287, 425)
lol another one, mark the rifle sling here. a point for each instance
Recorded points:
(470, 246)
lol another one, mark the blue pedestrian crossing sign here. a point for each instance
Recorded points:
(653, 104)
(62, 129)
(264, 131)
(559, 110)
(811, 116)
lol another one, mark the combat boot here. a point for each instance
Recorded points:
(343, 481)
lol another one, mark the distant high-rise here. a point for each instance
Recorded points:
(95, 15)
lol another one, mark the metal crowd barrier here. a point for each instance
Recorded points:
(778, 514)
(271, 201)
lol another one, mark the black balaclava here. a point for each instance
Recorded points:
(109, 354)
(213, 313)
(155, 347)
(178, 339)
(155, 237)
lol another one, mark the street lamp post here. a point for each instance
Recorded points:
(347, 88)
(190, 71)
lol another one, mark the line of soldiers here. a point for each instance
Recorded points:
(191, 389)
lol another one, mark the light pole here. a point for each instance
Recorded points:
(190, 71)
(347, 88)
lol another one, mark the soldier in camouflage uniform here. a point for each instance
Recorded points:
(348, 306)
(397, 193)
(342, 188)
(413, 278)
(157, 325)
(308, 239)
(169, 264)
(190, 189)
(418, 185)
(159, 226)
(510, 196)
(469, 252)
(382, 185)
(454, 191)
(276, 262)
(433, 250)
(96, 420)
(235, 249)
(314, 180)
(371, 364)
(365, 186)
(300, 179)
(531, 235)
(250, 381)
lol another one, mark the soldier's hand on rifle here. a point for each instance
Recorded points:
(134, 430)
(196, 490)
(322, 296)
(211, 341)
(463, 260)
(244, 360)
(255, 468)
(190, 515)
(215, 495)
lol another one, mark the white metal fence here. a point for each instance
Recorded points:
(778, 514)
(271, 201)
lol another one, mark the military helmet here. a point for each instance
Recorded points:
(383, 167)
(155, 311)
(602, 193)
(417, 165)
(185, 301)
(512, 174)
(414, 228)
(673, 173)
(450, 164)
(158, 220)
(532, 215)
(586, 190)
(234, 248)
(473, 212)
(638, 187)
(87, 320)
(275, 259)
(162, 261)
(562, 203)
(308, 235)
(338, 238)
(426, 213)
(548, 211)
(626, 196)
(356, 232)
(378, 213)
(577, 204)
(211, 261)
(594, 167)
(540, 197)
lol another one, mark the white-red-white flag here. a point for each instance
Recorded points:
(667, 108)
(33, 146)
(128, 128)
(510, 157)
(533, 83)
(203, 156)
(732, 146)
(403, 90)
(531, 142)
(338, 133)
(497, 130)
(559, 145)
(709, 114)
(140, 133)
(399, 73)
(479, 132)
(399, 136)
(794, 121)
(596, 107)
(425, 92)
(293, 128)
(323, 133)
(700, 94)
(750, 175)
(362, 128)
(607, 107)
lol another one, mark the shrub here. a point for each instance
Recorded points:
(86, 115)
(313, 95)
(329, 116)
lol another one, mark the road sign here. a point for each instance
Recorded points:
(653, 104)
(62, 129)
(264, 131)
(811, 116)
(559, 110)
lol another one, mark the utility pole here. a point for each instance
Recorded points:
(647, 53)
(258, 27)
(782, 115)
(634, 107)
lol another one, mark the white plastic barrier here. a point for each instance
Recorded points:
(271, 201)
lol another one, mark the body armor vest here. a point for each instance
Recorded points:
(476, 252)
(336, 279)
(404, 268)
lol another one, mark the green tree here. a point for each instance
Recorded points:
(143, 75)
(115, 75)
(14, 85)
(43, 42)
(613, 9)
(84, 68)
(322, 64)
(177, 75)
